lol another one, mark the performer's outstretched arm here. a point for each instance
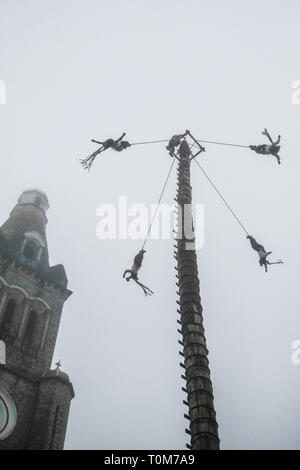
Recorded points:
(120, 138)
(127, 271)
(278, 140)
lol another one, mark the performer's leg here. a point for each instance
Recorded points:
(278, 158)
(256, 246)
(278, 140)
(266, 133)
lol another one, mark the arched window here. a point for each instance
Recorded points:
(38, 201)
(8, 314)
(30, 327)
(31, 250)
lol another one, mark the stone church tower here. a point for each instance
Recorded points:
(34, 400)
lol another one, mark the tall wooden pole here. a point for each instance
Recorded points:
(200, 401)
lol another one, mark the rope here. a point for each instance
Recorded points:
(198, 140)
(151, 142)
(216, 189)
(160, 198)
(223, 143)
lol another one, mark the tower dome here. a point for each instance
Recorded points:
(35, 197)
(25, 229)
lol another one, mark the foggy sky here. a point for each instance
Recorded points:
(76, 70)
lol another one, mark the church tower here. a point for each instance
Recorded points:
(34, 400)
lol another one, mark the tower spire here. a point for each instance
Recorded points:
(202, 416)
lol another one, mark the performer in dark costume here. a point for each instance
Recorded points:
(137, 263)
(117, 145)
(262, 253)
(174, 142)
(272, 149)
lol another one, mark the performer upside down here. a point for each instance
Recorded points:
(262, 253)
(117, 145)
(137, 263)
(265, 149)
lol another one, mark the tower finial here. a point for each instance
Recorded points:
(58, 366)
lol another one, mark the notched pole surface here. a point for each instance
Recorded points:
(202, 417)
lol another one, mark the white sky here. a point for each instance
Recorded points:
(76, 70)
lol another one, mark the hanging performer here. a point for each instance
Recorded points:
(117, 145)
(272, 149)
(174, 142)
(137, 263)
(262, 253)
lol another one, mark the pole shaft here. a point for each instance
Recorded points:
(203, 424)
